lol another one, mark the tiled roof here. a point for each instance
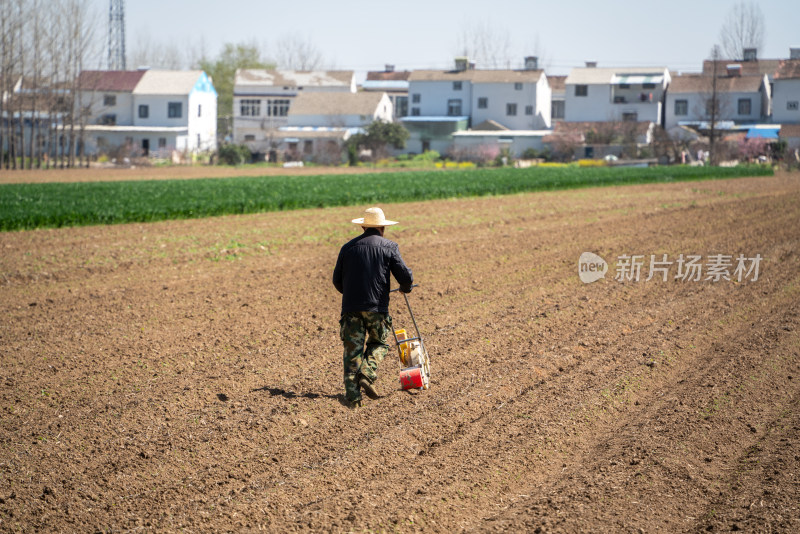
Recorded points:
(339, 103)
(564, 127)
(558, 84)
(167, 82)
(790, 130)
(477, 76)
(749, 68)
(490, 125)
(382, 75)
(696, 83)
(788, 69)
(293, 78)
(604, 75)
(110, 80)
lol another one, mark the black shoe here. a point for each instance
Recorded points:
(369, 389)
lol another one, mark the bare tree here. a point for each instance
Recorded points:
(297, 53)
(743, 28)
(713, 105)
(157, 55)
(488, 46)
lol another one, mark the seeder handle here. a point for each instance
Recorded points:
(413, 320)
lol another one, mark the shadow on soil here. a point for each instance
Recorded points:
(278, 392)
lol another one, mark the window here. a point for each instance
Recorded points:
(648, 86)
(415, 98)
(308, 147)
(109, 100)
(511, 109)
(250, 108)
(630, 116)
(144, 111)
(744, 106)
(278, 107)
(162, 142)
(681, 107)
(109, 119)
(624, 86)
(415, 112)
(712, 109)
(454, 107)
(401, 106)
(528, 110)
(518, 86)
(483, 102)
(557, 109)
(581, 90)
(456, 86)
(174, 110)
(199, 110)
(792, 105)
(249, 137)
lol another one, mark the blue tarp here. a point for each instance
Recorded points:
(763, 133)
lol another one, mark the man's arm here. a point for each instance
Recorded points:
(401, 272)
(337, 274)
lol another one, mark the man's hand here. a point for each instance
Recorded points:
(405, 289)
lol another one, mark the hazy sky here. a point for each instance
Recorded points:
(413, 34)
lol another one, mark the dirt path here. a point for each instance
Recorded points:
(187, 374)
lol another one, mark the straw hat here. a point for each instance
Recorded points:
(373, 218)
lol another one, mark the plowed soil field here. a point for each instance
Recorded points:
(187, 375)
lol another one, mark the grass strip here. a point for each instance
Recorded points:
(53, 205)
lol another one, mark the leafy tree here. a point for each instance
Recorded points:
(223, 73)
(377, 136)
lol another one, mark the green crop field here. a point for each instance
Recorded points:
(28, 206)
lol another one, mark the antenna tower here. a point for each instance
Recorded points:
(116, 35)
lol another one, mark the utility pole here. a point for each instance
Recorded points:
(116, 35)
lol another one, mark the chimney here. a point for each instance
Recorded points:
(461, 64)
(794, 52)
(591, 64)
(734, 70)
(531, 63)
(389, 68)
(750, 54)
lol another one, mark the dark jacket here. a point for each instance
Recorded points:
(362, 272)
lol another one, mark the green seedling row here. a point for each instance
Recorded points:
(49, 205)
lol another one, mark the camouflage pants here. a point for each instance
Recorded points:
(354, 329)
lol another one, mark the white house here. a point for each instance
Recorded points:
(740, 99)
(262, 99)
(594, 94)
(148, 111)
(320, 123)
(786, 93)
(444, 102)
(393, 83)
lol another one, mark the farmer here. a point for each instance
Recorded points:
(361, 275)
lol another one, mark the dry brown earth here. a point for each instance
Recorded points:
(186, 375)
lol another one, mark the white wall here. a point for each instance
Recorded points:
(123, 109)
(202, 121)
(785, 91)
(435, 95)
(728, 107)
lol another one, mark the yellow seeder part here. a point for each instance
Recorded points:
(403, 348)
